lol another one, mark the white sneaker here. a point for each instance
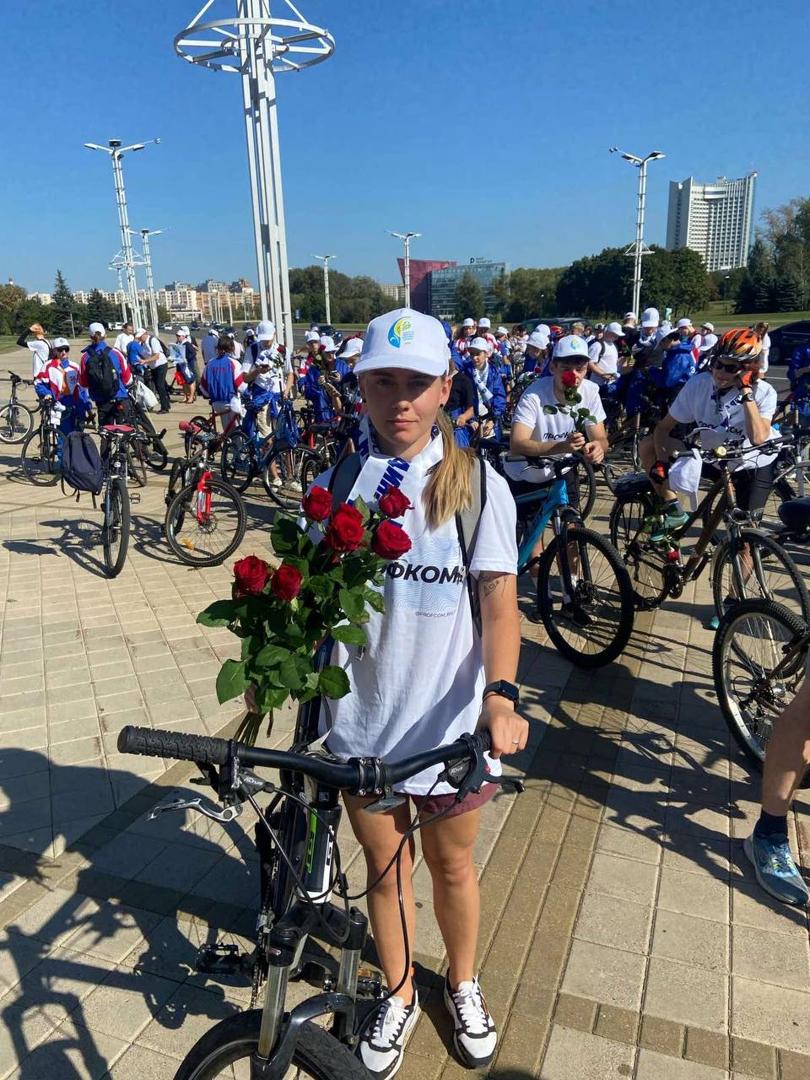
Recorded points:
(277, 482)
(475, 1035)
(383, 1041)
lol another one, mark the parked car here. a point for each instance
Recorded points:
(553, 320)
(784, 339)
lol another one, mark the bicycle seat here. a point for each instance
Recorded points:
(323, 428)
(118, 429)
(15, 378)
(186, 425)
(492, 444)
(636, 483)
(795, 514)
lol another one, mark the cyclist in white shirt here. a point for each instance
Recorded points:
(124, 338)
(38, 345)
(268, 374)
(604, 356)
(705, 340)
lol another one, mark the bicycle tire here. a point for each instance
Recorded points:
(136, 463)
(586, 592)
(749, 711)
(793, 591)
(237, 460)
(288, 462)
(782, 491)
(16, 423)
(190, 551)
(40, 462)
(236, 1038)
(643, 561)
(116, 521)
(586, 475)
(311, 468)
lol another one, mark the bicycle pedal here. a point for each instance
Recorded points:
(217, 959)
(370, 985)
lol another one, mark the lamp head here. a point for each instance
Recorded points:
(115, 143)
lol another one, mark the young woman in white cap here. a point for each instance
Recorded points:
(426, 675)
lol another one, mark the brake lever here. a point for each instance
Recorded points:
(225, 815)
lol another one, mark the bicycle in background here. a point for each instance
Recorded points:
(117, 444)
(16, 419)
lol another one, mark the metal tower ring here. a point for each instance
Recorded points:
(284, 44)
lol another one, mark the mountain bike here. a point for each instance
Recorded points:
(16, 419)
(155, 454)
(296, 837)
(759, 659)
(496, 452)
(277, 460)
(745, 561)
(205, 517)
(584, 594)
(40, 453)
(117, 442)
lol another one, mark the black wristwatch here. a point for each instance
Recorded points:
(747, 397)
(504, 689)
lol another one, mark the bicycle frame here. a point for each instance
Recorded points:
(555, 497)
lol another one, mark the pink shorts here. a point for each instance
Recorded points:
(435, 804)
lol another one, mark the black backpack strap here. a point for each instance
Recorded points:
(343, 477)
(468, 522)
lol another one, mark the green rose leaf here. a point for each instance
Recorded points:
(231, 681)
(354, 604)
(289, 674)
(375, 600)
(349, 635)
(550, 409)
(333, 682)
(361, 506)
(320, 587)
(220, 613)
(271, 656)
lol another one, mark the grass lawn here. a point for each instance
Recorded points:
(720, 313)
(7, 342)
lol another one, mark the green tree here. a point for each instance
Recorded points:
(529, 292)
(63, 304)
(99, 309)
(469, 298)
(11, 297)
(757, 286)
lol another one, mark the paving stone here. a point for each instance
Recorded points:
(707, 1047)
(609, 975)
(575, 1012)
(794, 1066)
(141, 1063)
(652, 1066)
(625, 879)
(576, 1055)
(770, 957)
(693, 894)
(753, 1058)
(687, 994)
(662, 1036)
(618, 1024)
(620, 924)
(691, 940)
(771, 1014)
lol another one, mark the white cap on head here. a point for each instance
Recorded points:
(479, 344)
(140, 331)
(707, 326)
(683, 324)
(484, 323)
(570, 345)
(354, 346)
(468, 322)
(614, 328)
(501, 332)
(61, 343)
(538, 339)
(184, 330)
(97, 328)
(328, 343)
(543, 328)
(212, 330)
(407, 340)
(312, 335)
(266, 330)
(650, 317)
(631, 315)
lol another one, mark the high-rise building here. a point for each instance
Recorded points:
(420, 271)
(714, 219)
(396, 292)
(444, 282)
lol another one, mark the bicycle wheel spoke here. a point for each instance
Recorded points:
(588, 616)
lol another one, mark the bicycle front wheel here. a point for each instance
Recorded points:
(115, 530)
(39, 458)
(16, 421)
(630, 530)
(758, 661)
(205, 523)
(282, 474)
(765, 571)
(238, 460)
(590, 624)
(223, 1053)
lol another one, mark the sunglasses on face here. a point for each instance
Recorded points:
(63, 348)
(730, 369)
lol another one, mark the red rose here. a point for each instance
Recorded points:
(285, 584)
(390, 541)
(317, 504)
(346, 530)
(393, 503)
(569, 379)
(250, 576)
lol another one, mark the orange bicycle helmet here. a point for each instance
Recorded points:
(743, 345)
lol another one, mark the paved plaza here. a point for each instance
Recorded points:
(623, 934)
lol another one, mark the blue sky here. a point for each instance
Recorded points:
(483, 125)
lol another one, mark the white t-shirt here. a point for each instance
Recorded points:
(238, 349)
(699, 402)
(551, 427)
(156, 349)
(209, 347)
(418, 683)
(606, 355)
(275, 377)
(763, 356)
(704, 342)
(40, 354)
(122, 341)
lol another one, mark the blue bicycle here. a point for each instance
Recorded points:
(584, 593)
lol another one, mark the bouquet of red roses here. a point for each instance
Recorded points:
(581, 417)
(323, 587)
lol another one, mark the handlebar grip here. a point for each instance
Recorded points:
(485, 739)
(173, 744)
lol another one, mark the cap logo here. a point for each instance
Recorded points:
(400, 333)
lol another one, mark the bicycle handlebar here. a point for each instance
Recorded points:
(358, 775)
(733, 449)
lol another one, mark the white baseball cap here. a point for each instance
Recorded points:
(266, 330)
(479, 344)
(501, 332)
(570, 345)
(485, 323)
(97, 328)
(312, 335)
(354, 346)
(407, 340)
(61, 343)
(631, 315)
(614, 328)
(184, 330)
(328, 343)
(682, 324)
(543, 328)
(538, 339)
(650, 317)
(468, 322)
(140, 331)
(707, 326)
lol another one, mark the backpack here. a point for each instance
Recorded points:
(468, 521)
(81, 463)
(219, 379)
(679, 365)
(102, 375)
(164, 347)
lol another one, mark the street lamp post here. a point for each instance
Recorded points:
(406, 243)
(325, 260)
(150, 281)
(116, 152)
(637, 248)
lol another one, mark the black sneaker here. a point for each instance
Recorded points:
(383, 1041)
(474, 1035)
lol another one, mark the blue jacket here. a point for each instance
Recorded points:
(316, 394)
(494, 381)
(122, 372)
(799, 358)
(679, 365)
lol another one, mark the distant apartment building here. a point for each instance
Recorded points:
(714, 219)
(444, 283)
(421, 270)
(45, 298)
(396, 292)
(81, 296)
(182, 301)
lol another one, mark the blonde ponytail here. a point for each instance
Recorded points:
(449, 490)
